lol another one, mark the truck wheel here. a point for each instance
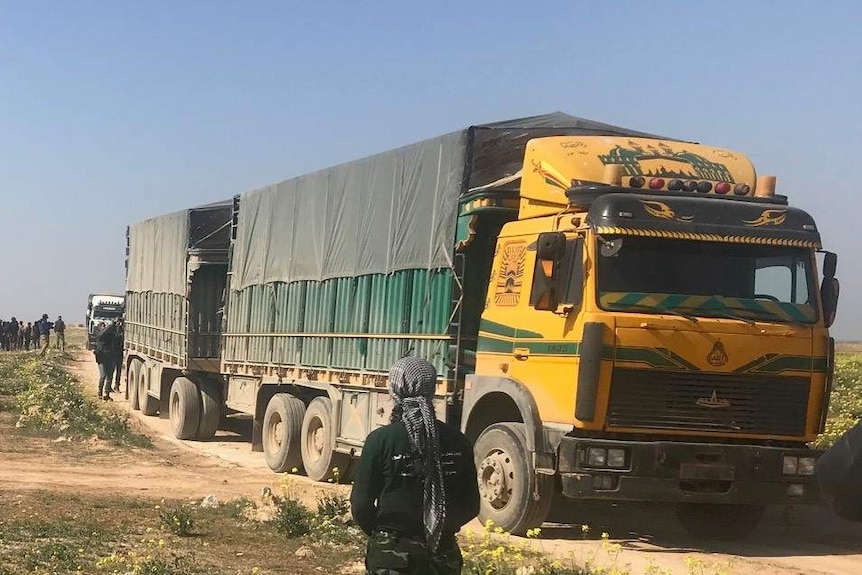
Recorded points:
(513, 495)
(132, 382)
(185, 408)
(318, 454)
(719, 521)
(282, 429)
(210, 408)
(149, 404)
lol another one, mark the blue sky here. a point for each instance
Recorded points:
(114, 111)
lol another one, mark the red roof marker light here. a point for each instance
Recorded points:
(656, 183)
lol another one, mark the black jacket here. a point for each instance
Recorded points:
(106, 344)
(388, 495)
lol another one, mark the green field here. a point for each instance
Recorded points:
(845, 406)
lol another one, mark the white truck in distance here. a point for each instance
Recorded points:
(101, 310)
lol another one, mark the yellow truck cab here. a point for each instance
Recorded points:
(653, 330)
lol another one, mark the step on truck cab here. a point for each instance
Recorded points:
(613, 315)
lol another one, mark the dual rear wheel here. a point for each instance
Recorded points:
(296, 436)
(137, 386)
(194, 408)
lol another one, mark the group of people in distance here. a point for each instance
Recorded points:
(15, 335)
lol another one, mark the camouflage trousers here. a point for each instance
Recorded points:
(388, 554)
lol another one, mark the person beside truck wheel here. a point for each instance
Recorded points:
(119, 341)
(105, 350)
(416, 483)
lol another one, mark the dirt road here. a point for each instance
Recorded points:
(789, 541)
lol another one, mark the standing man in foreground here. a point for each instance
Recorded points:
(416, 482)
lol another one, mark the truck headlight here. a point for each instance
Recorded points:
(795, 490)
(790, 465)
(597, 456)
(616, 458)
(806, 466)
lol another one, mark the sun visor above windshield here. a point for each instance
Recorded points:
(702, 219)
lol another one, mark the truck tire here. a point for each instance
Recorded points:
(149, 404)
(318, 450)
(210, 408)
(282, 430)
(132, 382)
(513, 495)
(719, 521)
(185, 408)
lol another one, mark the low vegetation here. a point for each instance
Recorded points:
(49, 400)
(47, 533)
(845, 406)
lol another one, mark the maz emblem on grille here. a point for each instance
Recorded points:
(713, 401)
(717, 355)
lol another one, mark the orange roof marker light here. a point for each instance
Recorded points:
(765, 187)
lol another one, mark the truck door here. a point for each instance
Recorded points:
(519, 340)
(206, 304)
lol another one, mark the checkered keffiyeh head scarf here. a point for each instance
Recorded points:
(412, 382)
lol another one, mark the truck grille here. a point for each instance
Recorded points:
(693, 401)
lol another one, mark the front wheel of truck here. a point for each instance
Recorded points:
(513, 496)
(282, 426)
(719, 521)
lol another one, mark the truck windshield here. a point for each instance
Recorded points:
(706, 279)
(106, 313)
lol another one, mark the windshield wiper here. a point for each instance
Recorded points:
(726, 314)
(644, 307)
(774, 317)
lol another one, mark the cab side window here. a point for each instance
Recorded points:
(562, 280)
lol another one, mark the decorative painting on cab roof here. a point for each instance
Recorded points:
(662, 161)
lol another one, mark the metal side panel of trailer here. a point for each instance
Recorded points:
(342, 330)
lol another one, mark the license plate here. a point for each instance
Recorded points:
(707, 471)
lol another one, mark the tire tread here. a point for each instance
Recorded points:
(185, 424)
(210, 409)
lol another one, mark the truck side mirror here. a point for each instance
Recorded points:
(830, 263)
(550, 248)
(829, 289)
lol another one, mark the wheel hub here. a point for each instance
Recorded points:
(496, 473)
(318, 439)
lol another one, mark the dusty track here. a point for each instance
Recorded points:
(789, 541)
